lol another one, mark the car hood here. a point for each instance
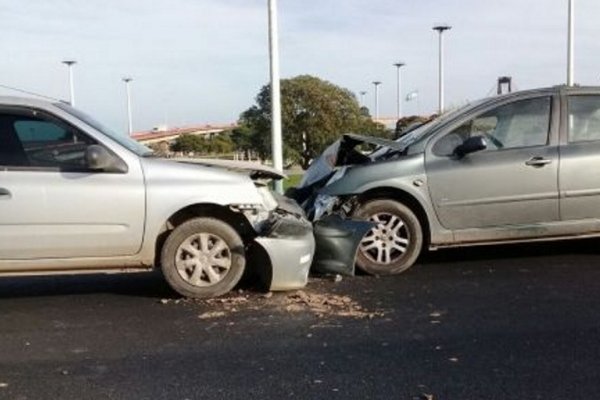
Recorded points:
(342, 152)
(253, 169)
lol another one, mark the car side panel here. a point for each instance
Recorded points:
(407, 175)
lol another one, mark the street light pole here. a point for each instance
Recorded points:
(127, 81)
(362, 98)
(377, 83)
(571, 45)
(69, 64)
(440, 29)
(398, 65)
(276, 136)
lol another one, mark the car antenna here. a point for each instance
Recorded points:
(32, 93)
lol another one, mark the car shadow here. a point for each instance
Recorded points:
(508, 251)
(152, 284)
(143, 285)
(147, 284)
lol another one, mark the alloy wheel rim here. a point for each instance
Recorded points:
(203, 259)
(387, 242)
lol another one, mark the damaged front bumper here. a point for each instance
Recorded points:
(287, 245)
(338, 241)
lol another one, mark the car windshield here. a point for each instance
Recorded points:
(422, 131)
(123, 140)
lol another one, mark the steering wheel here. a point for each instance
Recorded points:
(492, 139)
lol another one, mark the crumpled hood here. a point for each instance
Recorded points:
(340, 153)
(253, 169)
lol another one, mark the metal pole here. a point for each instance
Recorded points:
(276, 136)
(441, 74)
(376, 83)
(69, 64)
(129, 117)
(398, 90)
(362, 98)
(440, 29)
(571, 45)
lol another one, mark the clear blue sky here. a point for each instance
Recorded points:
(203, 61)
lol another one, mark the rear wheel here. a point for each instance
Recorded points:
(203, 257)
(394, 244)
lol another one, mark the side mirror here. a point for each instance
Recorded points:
(471, 145)
(99, 159)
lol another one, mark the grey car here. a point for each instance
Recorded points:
(514, 168)
(77, 198)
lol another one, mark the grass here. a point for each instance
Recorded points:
(292, 181)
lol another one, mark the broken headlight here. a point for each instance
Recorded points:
(268, 200)
(323, 205)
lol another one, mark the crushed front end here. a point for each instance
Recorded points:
(284, 241)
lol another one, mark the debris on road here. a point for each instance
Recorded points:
(211, 314)
(327, 305)
(314, 300)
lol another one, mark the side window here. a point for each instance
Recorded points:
(523, 123)
(584, 118)
(31, 141)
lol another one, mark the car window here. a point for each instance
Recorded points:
(522, 123)
(584, 118)
(30, 141)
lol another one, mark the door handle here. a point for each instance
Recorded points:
(5, 194)
(538, 162)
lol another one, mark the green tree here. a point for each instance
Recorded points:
(188, 144)
(217, 144)
(314, 114)
(244, 140)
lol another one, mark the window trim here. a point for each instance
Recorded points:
(554, 111)
(567, 113)
(53, 118)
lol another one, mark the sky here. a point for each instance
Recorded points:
(204, 61)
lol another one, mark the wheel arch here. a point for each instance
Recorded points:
(236, 220)
(405, 198)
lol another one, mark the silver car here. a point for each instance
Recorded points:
(77, 198)
(515, 168)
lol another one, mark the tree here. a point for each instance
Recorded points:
(217, 144)
(188, 144)
(314, 114)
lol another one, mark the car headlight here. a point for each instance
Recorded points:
(323, 205)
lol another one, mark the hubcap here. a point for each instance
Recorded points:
(388, 241)
(203, 259)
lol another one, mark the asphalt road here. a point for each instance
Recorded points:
(489, 323)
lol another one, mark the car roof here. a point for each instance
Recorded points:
(25, 101)
(559, 89)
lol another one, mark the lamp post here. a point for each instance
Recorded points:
(362, 98)
(69, 64)
(127, 81)
(276, 136)
(441, 29)
(377, 83)
(571, 45)
(398, 65)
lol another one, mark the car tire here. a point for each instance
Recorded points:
(394, 245)
(203, 257)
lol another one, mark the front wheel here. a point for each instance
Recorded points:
(393, 245)
(203, 257)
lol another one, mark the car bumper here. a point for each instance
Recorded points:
(289, 247)
(338, 240)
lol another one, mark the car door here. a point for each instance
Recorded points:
(51, 204)
(511, 183)
(580, 160)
